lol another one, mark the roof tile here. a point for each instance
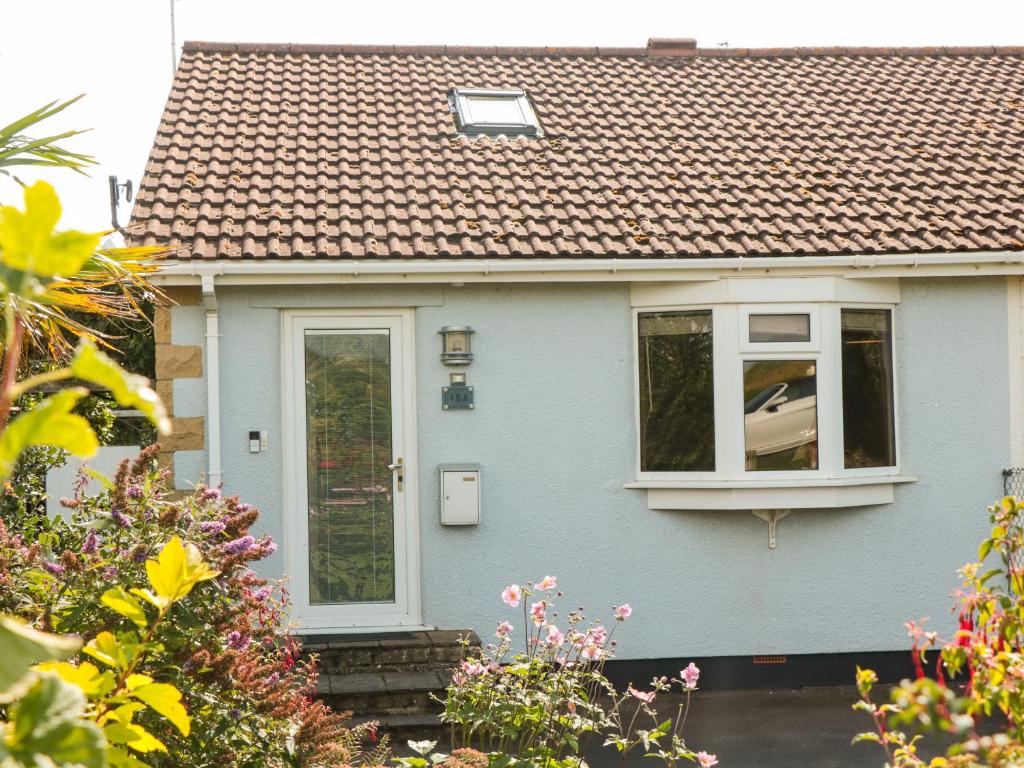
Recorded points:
(314, 151)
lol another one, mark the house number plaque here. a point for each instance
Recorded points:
(457, 397)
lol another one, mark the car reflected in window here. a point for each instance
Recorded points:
(781, 417)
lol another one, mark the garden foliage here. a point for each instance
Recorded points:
(540, 706)
(134, 633)
(975, 698)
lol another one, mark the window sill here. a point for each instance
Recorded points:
(824, 493)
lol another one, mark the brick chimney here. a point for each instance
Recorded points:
(671, 46)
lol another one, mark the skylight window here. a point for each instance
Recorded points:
(493, 112)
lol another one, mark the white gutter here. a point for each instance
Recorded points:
(214, 474)
(571, 269)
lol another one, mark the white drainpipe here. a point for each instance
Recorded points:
(215, 476)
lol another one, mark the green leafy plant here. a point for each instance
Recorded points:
(537, 706)
(225, 646)
(978, 672)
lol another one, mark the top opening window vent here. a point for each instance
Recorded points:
(492, 112)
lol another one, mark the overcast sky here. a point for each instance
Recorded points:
(118, 52)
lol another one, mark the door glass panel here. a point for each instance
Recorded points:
(780, 415)
(677, 392)
(349, 487)
(784, 328)
(869, 432)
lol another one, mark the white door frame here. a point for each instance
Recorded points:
(406, 611)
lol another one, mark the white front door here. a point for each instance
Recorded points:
(349, 414)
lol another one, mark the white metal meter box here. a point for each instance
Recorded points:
(460, 494)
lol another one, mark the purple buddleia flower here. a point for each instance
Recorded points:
(243, 507)
(269, 546)
(110, 572)
(139, 555)
(55, 568)
(120, 517)
(238, 641)
(91, 545)
(238, 546)
(263, 593)
(210, 494)
(212, 527)
(134, 492)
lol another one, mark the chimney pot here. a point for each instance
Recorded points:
(671, 46)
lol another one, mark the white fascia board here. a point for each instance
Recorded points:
(588, 270)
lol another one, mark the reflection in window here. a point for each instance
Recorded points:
(869, 438)
(784, 328)
(677, 400)
(348, 438)
(780, 415)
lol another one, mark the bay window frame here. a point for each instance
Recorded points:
(731, 348)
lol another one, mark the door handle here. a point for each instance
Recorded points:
(399, 468)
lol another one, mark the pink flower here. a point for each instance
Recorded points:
(555, 637)
(512, 595)
(690, 676)
(590, 652)
(597, 635)
(646, 698)
(623, 612)
(504, 629)
(537, 612)
(473, 668)
(705, 760)
(548, 582)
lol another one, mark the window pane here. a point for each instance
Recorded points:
(780, 328)
(677, 396)
(869, 435)
(348, 438)
(780, 416)
(495, 110)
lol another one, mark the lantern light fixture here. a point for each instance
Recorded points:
(455, 346)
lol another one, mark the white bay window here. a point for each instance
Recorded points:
(746, 401)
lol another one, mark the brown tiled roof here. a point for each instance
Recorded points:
(283, 151)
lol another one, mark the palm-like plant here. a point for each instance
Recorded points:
(113, 284)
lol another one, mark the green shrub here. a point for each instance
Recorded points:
(240, 673)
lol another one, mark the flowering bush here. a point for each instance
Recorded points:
(986, 655)
(239, 673)
(535, 707)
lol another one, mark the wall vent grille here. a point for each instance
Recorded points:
(769, 659)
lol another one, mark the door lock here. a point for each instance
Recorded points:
(399, 469)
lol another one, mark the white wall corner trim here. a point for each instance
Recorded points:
(1015, 338)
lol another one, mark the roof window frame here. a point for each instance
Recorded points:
(461, 98)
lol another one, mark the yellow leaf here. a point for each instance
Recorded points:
(134, 735)
(137, 681)
(85, 676)
(28, 242)
(120, 601)
(106, 649)
(122, 714)
(166, 700)
(129, 389)
(176, 570)
(149, 597)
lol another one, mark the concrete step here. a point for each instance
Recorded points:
(343, 654)
(393, 679)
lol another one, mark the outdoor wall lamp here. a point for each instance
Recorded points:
(455, 347)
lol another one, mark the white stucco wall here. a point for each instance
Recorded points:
(553, 429)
